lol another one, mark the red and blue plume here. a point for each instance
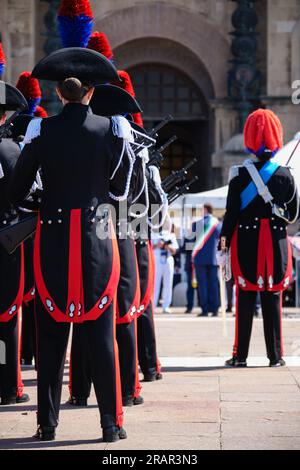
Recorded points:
(263, 131)
(75, 22)
(126, 84)
(98, 42)
(40, 112)
(30, 88)
(2, 59)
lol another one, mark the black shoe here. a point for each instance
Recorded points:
(45, 433)
(215, 314)
(15, 400)
(279, 363)
(229, 310)
(130, 401)
(202, 315)
(113, 434)
(77, 401)
(152, 377)
(188, 310)
(235, 362)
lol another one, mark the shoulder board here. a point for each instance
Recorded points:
(233, 172)
(33, 130)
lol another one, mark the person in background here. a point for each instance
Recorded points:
(165, 246)
(204, 262)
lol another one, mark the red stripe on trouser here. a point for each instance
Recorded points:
(236, 337)
(20, 385)
(119, 409)
(75, 264)
(138, 387)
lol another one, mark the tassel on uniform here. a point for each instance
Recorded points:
(75, 22)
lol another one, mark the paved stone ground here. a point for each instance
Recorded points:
(198, 405)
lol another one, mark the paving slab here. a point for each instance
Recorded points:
(199, 405)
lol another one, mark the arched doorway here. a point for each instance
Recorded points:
(163, 90)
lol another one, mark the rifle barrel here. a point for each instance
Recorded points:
(160, 125)
(169, 142)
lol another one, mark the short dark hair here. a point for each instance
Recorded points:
(72, 89)
(209, 208)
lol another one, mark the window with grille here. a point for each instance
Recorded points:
(163, 90)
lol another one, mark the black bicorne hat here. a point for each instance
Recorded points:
(11, 98)
(111, 100)
(78, 62)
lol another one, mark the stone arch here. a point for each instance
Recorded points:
(165, 21)
(165, 52)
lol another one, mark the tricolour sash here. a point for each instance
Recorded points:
(206, 232)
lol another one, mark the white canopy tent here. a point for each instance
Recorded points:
(217, 197)
(283, 156)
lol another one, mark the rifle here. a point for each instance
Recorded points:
(178, 191)
(147, 139)
(154, 132)
(156, 156)
(5, 129)
(17, 232)
(177, 176)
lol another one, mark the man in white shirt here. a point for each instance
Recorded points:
(165, 246)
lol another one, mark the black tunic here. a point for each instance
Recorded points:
(260, 249)
(11, 266)
(76, 271)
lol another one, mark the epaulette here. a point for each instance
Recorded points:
(121, 128)
(33, 130)
(233, 172)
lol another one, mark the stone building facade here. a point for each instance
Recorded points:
(179, 54)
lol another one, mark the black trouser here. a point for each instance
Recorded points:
(229, 292)
(80, 373)
(127, 343)
(80, 377)
(190, 292)
(51, 351)
(148, 359)
(271, 311)
(28, 349)
(10, 369)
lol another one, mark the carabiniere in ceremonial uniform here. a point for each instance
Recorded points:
(11, 267)
(262, 200)
(76, 270)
